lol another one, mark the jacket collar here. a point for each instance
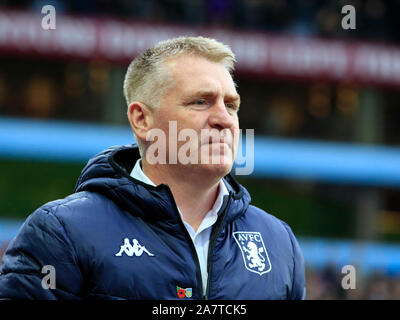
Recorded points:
(108, 173)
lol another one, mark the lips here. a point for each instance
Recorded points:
(217, 137)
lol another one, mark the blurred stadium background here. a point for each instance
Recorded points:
(323, 102)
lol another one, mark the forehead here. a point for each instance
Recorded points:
(193, 73)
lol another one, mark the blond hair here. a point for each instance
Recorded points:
(146, 78)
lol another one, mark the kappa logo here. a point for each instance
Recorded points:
(135, 249)
(253, 250)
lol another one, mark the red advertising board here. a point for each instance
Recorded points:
(258, 54)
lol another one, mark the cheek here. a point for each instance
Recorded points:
(192, 121)
(236, 122)
(161, 121)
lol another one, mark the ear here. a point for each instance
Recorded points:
(140, 118)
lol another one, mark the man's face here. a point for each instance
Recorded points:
(203, 98)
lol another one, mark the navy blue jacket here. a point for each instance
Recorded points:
(252, 254)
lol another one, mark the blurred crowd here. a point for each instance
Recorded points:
(3, 247)
(376, 19)
(326, 284)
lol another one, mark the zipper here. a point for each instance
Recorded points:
(213, 239)
(193, 249)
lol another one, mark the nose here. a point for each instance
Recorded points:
(219, 117)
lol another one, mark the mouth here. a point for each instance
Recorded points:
(217, 144)
(212, 141)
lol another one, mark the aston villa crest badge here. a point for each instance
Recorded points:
(255, 255)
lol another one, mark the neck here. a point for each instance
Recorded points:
(193, 194)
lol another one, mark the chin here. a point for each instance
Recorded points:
(217, 170)
(216, 161)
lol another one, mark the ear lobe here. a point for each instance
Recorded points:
(140, 119)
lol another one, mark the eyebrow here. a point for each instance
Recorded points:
(209, 93)
(235, 97)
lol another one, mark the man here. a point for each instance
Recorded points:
(141, 225)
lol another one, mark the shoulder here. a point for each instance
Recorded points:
(73, 201)
(72, 222)
(277, 230)
(267, 220)
(77, 204)
(74, 212)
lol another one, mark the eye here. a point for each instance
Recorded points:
(231, 106)
(200, 102)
